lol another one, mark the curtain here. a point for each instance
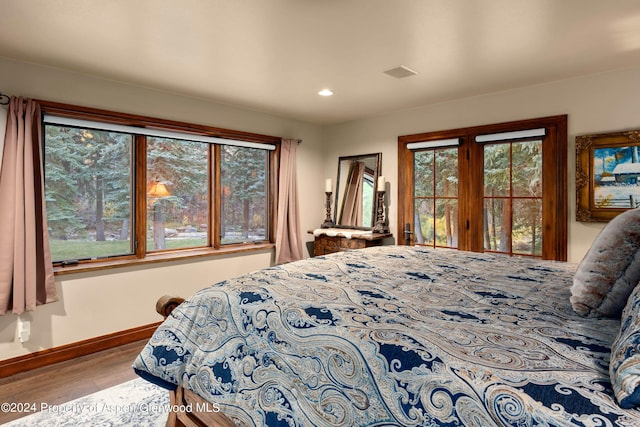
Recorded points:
(352, 205)
(288, 237)
(26, 271)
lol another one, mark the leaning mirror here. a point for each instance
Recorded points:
(355, 190)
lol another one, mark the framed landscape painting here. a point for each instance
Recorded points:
(607, 175)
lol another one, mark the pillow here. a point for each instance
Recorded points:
(610, 269)
(624, 367)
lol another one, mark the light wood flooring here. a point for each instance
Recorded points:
(65, 381)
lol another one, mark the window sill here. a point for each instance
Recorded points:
(160, 257)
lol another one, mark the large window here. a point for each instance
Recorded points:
(128, 187)
(496, 188)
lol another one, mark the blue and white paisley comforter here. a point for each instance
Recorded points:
(393, 336)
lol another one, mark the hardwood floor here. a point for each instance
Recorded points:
(65, 381)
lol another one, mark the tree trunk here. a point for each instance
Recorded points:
(505, 229)
(447, 215)
(533, 234)
(124, 231)
(223, 215)
(447, 221)
(454, 241)
(99, 210)
(494, 234)
(485, 229)
(158, 228)
(419, 237)
(245, 219)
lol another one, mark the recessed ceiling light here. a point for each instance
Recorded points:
(325, 92)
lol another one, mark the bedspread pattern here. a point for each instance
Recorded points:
(393, 336)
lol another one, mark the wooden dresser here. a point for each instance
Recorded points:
(335, 240)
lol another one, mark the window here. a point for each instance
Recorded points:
(129, 187)
(88, 191)
(495, 188)
(177, 194)
(244, 194)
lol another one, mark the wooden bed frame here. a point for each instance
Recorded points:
(182, 396)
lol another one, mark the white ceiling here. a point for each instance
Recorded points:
(275, 55)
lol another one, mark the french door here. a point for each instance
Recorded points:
(495, 188)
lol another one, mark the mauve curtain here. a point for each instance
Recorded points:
(26, 272)
(352, 205)
(288, 237)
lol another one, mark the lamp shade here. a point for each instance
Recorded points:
(157, 190)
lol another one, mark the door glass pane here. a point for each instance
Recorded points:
(527, 169)
(423, 173)
(497, 225)
(88, 190)
(527, 227)
(244, 210)
(447, 172)
(177, 194)
(497, 170)
(513, 202)
(436, 192)
(447, 222)
(424, 228)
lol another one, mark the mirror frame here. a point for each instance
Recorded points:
(338, 201)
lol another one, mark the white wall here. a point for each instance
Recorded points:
(598, 103)
(99, 303)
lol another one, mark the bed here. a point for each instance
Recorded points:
(392, 336)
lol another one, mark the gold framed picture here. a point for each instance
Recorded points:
(607, 175)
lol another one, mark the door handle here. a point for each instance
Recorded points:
(407, 234)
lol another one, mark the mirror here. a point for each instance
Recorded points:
(356, 190)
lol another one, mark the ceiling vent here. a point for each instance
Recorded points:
(401, 72)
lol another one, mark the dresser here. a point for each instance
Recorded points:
(331, 240)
